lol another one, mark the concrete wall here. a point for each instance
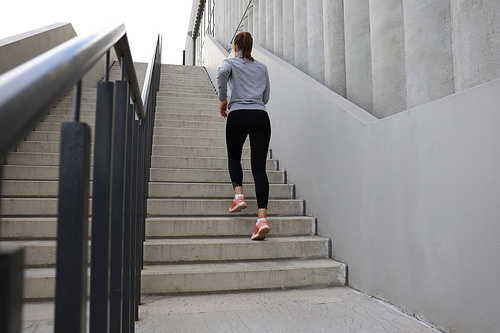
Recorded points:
(410, 201)
(18, 49)
(383, 55)
(476, 42)
(214, 55)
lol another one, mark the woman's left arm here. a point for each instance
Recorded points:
(222, 77)
(267, 91)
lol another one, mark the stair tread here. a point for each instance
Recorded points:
(219, 267)
(263, 265)
(189, 151)
(233, 240)
(185, 241)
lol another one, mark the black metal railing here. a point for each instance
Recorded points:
(122, 159)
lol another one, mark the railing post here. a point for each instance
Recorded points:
(128, 319)
(72, 226)
(101, 210)
(117, 210)
(140, 210)
(11, 289)
(136, 275)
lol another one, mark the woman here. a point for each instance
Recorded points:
(246, 115)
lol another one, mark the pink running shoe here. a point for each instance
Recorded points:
(261, 230)
(238, 205)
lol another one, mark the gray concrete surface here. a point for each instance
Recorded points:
(407, 200)
(18, 49)
(358, 54)
(476, 41)
(305, 310)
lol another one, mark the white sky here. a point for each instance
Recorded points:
(143, 19)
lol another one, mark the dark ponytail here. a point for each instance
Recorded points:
(244, 42)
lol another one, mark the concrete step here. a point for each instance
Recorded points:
(212, 111)
(169, 131)
(30, 159)
(195, 151)
(198, 124)
(206, 190)
(199, 133)
(191, 117)
(69, 105)
(40, 283)
(183, 162)
(216, 207)
(30, 172)
(209, 176)
(14, 160)
(210, 98)
(29, 207)
(69, 112)
(23, 228)
(57, 119)
(44, 136)
(232, 276)
(268, 274)
(86, 98)
(164, 140)
(47, 207)
(173, 96)
(42, 253)
(186, 83)
(30, 188)
(167, 73)
(200, 226)
(49, 189)
(56, 127)
(44, 228)
(173, 88)
(51, 172)
(164, 251)
(41, 147)
(183, 71)
(188, 103)
(201, 79)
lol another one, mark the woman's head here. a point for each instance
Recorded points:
(244, 42)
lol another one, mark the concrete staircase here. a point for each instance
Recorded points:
(193, 244)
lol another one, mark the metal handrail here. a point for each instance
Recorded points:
(121, 171)
(147, 85)
(241, 21)
(47, 77)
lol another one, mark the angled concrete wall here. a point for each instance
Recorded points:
(214, 55)
(18, 49)
(476, 42)
(383, 55)
(410, 201)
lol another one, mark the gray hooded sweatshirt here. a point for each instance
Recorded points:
(248, 81)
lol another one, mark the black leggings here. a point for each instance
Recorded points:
(256, 124)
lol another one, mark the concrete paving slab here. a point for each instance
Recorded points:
(338, 309)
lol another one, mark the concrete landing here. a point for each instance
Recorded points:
(336, 310)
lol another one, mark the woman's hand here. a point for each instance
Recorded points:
(223, 108)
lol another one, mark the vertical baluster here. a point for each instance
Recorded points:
(127, 318)
(117, 202)
(72, 227)
(11, 286)
(11, 289)
(141, 183)
(133, 250)
(101, 207)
